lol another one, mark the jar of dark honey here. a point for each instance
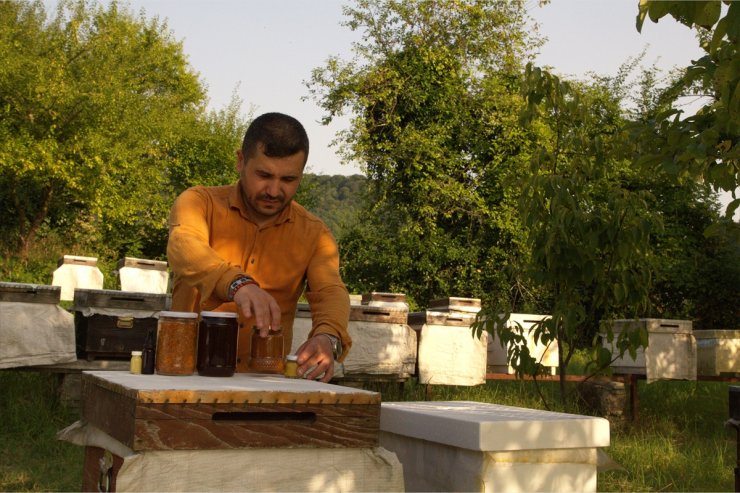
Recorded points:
(266, 354)
(217, 337)
(177, 336)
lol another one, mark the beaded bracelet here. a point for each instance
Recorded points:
(239, 283)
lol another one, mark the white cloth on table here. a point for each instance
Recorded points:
(35, 334)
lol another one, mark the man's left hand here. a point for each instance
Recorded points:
(316, 359)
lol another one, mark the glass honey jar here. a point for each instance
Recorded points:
(218, 333)
(177, 336)
(266, 353)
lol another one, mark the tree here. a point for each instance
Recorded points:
(589, 233)
(704, 145)
(433, 101)
(90, 103)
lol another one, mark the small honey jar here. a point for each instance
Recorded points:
(291, 366)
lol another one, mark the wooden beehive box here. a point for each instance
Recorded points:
(670, 354)
(29, 293)
(448, 353)
(382, 343)
(717, 352)
(157, 412)
(111, 324)
(379, 297)
(456, 304)
(547, 355)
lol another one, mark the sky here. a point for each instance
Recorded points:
(263, 51)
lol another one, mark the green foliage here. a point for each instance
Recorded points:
(102, 123)
(588, 231)
(434, 124)
(338, 200)
(705, 145)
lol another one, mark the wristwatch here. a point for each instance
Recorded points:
(336, 344)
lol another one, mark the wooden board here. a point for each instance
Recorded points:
(126, 300)
(29, 293)
(156, 412)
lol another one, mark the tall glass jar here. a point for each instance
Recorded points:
(266, 353)
(217, 337)
(177, 336)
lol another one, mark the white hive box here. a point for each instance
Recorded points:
(74, 272)
(670, 354)
(449, 353)
(473, 446)
(717, 352)
(547, 355)
(34, 329)
(143, 275)
(382, 343)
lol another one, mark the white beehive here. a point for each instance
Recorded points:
(717, 352)
(448, 353)
(670, 354)
(474, 446)
(547, 355)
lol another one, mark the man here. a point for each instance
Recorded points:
(248, 248)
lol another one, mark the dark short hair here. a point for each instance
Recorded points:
(276, 135)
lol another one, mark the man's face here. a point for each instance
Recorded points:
(268, 183)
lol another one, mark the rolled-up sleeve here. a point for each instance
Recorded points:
(194, 262)
(327, 294)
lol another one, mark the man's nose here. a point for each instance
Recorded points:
(273, 188)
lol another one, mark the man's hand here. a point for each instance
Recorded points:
(255, 301)
(316, 358)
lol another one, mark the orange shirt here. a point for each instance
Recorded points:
(212, 242)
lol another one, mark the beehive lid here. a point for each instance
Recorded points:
(452, 303)
(139, 263)
(242, 388)
(492, 427)
(384, 297)
(127, 300)
(78, 260)
(429, 317)
(365, 313)
(655, 325)
(29, 293)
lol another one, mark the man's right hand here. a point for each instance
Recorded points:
(254, 301)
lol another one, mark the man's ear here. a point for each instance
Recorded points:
(239, 161)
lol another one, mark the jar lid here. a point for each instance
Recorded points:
(135, 353)
(218, 314)
(292, 357)
(178, 314)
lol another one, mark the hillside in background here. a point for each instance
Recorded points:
(336, 199)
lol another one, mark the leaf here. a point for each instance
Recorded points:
(706, 13)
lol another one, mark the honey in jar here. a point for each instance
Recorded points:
(177, 336)
(218, 333)
(267, 352)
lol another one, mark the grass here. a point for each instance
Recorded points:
(679, 442)
(31, 459)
